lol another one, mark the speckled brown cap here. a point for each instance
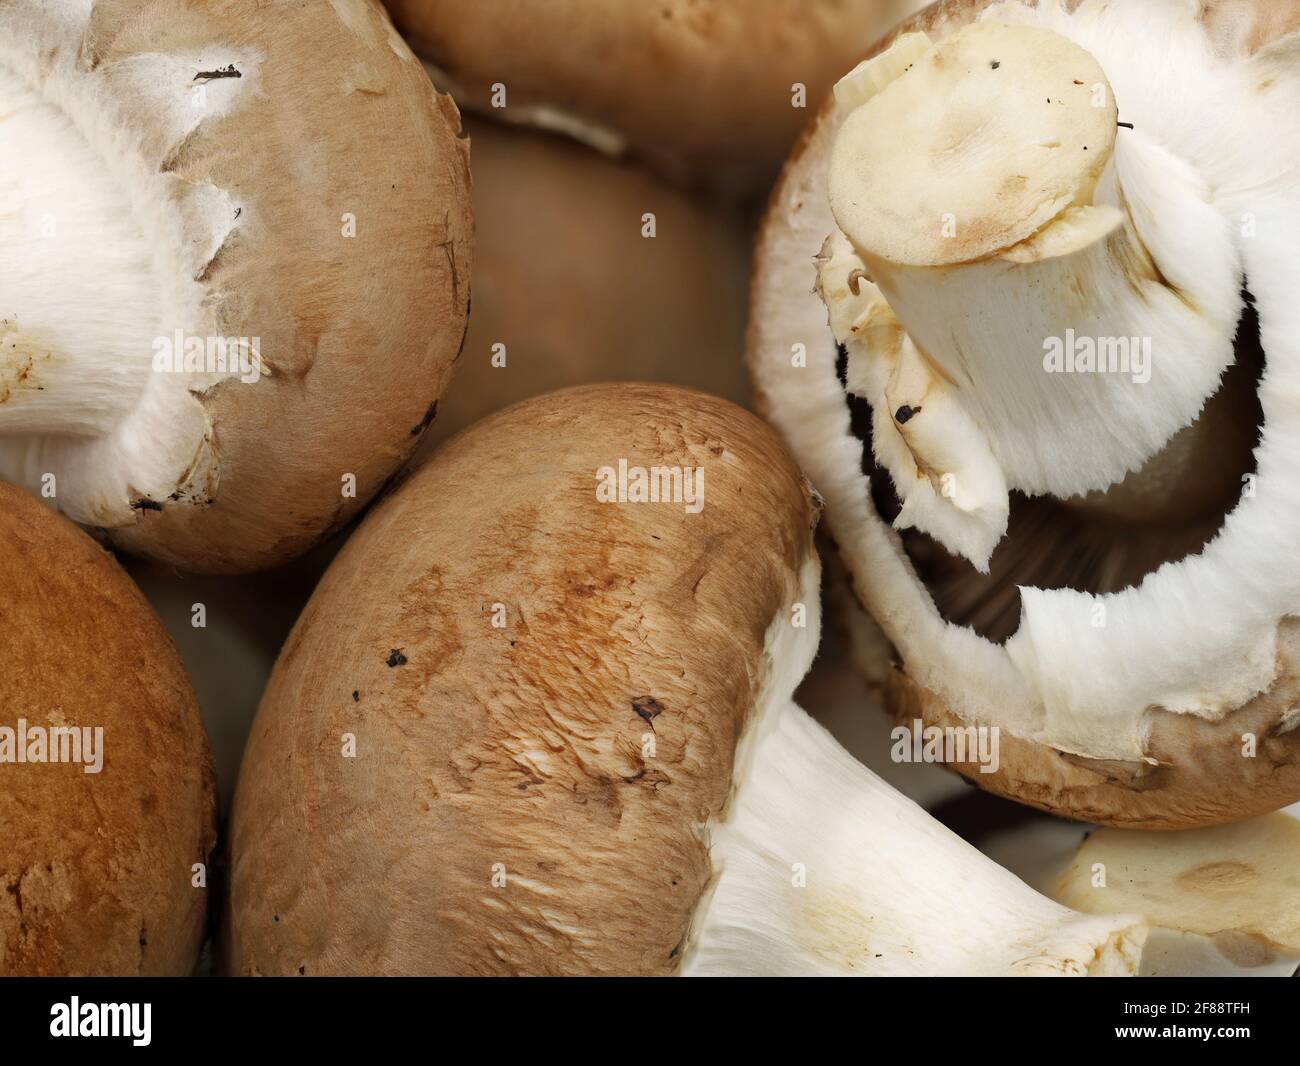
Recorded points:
(97, 869)
(524, 799)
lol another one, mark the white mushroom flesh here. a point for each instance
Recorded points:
(102, 251)
(822, 869)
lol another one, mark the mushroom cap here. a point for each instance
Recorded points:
(1193, 771)
(1199, 776)
(703, 91)
(1238, 885)
(564, 278)
(244, 202)
(520, 751)
(96, 868)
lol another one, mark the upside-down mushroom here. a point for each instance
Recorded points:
(708, 93)
(107, 804)
(234, 267)
(1025, 294)
(525, 728)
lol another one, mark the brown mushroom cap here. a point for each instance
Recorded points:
(96, 868)
(360, 334)
(522, 746)
(1200, 779)
(1200, 776)
(564, 278)
(704, 91)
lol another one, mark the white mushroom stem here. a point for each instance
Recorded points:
(825, 869)
(1073, 295)
(942, 468)
(78, 296)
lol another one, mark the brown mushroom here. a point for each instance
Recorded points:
(710, 93)
(234, 267)
(106, 794)
(587, 269)
(537, 720)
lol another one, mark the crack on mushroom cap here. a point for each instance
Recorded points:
(426, 421)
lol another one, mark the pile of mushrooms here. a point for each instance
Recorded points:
(558, 699)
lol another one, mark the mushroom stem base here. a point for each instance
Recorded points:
(824, 869)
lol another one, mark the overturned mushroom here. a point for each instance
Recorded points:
(1224, 900)
(234, 267)
(709, 93)
(106, 793)
(1033, 270)
(523, 727)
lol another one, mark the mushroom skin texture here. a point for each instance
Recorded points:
(97, 869)
(1166, 700)
(564, 276)
(704, 92)
(176, 188)
(614, 781)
